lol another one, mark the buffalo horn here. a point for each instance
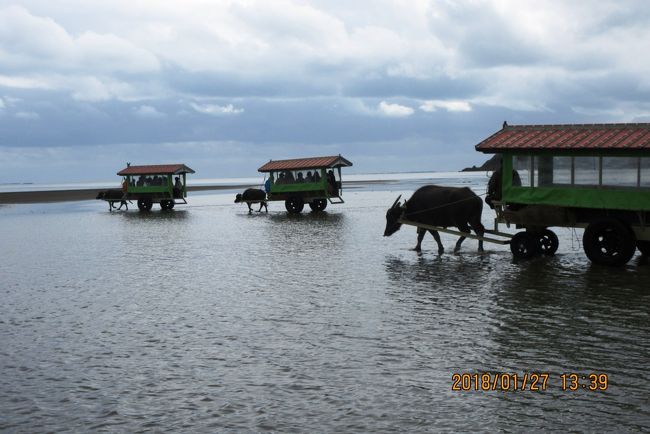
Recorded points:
(396, 201)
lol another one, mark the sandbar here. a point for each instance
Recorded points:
(47, 196)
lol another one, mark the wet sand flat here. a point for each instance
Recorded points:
(16, 197)
(49, 196)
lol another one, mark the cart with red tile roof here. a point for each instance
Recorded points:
(165, 184)
(314, 181)
(594, 176)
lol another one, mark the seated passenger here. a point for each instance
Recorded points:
(300, 177)
(316, 176)
(309, 177)
(288, 176)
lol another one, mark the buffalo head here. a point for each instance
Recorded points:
(238, 198)
(101, 195)
(392, 218)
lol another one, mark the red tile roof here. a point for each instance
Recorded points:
(305, 163)
(580, 137)
(156, 169)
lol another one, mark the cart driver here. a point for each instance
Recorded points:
(178, 186)
(494, 184)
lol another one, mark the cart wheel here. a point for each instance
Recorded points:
(524, 245)
(166, 204)
(145, 204)
(294, 204)
(318, 205)
(609, 242)
(644, 247)
(548, 242)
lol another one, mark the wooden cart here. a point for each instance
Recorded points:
(594, 176)
(315, 181)
(165, 184)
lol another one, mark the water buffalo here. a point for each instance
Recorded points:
(253, 195)
(112, 196)
(438, 206)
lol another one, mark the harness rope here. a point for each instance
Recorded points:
(441, 206)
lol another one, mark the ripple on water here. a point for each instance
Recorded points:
(210, 319)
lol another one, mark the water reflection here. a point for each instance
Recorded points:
(319, 235)
(278, 322)
(180, 214)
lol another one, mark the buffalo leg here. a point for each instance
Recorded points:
(263, 204)
(436, 237)
(480, 231)
(250, 208)
(421, 234)
(463, 228)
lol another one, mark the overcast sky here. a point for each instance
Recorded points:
(226, 85)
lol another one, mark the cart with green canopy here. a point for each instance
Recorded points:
(314, 181)
(165, 184)
(594, 176)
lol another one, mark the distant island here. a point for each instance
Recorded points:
(489, 166)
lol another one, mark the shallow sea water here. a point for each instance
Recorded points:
(207, 319)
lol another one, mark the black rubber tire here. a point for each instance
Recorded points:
(145, 204)
(318, 205)
(294, 204)
(609, 242)
(524, 245)
(644, 247)
(167, 204)
(548, 242)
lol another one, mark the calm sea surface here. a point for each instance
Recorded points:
(212, 320)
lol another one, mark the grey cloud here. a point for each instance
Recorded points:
(440, 87)
(308, 78)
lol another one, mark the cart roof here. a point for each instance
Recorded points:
(155, 169)
(305, 163)
(579, 137)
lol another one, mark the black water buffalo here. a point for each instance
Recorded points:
(438, 206)
(112, 196)
(252, 195)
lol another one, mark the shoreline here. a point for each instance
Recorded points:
(51, 196)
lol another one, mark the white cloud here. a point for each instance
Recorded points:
(27, 115)
(216, 110)
(147, 111)
(35, 43)
(394, 110)
(93, 89)
(450, 106)
(21, 82)
(489, 49)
